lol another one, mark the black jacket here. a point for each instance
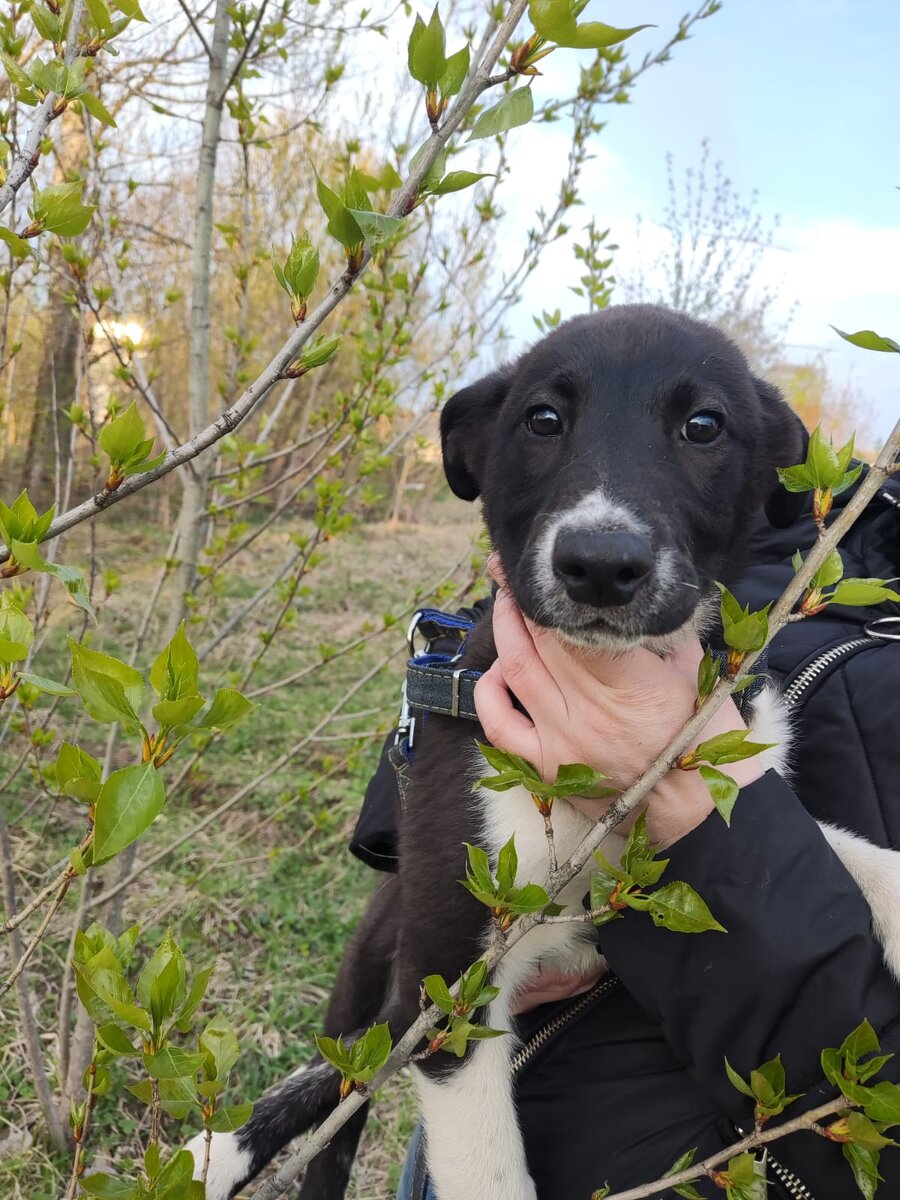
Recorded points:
(634, 1079)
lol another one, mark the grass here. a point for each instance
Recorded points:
(269, 892)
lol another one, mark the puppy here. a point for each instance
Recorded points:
(622, 464)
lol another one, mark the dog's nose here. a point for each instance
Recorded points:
(601, 569)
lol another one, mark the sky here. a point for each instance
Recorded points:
(799, 100)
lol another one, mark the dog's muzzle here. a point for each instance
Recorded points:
(601, 569)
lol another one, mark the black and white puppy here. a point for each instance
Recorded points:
(622, 464)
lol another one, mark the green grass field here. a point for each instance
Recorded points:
(268, 892)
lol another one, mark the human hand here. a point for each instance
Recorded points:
(548, 986)
(614, 711)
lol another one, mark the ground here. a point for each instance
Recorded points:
(268, 892)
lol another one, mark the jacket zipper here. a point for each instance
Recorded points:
(537, 1040)
(882, 629)
(808, 676)
(787, 1180)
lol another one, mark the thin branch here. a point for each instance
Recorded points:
(196, 28)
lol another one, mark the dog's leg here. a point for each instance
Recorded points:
(877, 872)
(474, 1146)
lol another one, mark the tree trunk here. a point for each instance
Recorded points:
(192, 517)
(55, 390)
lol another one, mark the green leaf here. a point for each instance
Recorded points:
(503, 760)
(507, 866)
(377, 228)
(19, 246)
(58, 207)
(864, 1164)
(117, 1040)
(228, 707)
(341, 225)
(432, 177)
(220, 1044)
(172, 1063)
(78, 773)
(863, 592)
(131, 8)
(369, 1053)
(516, 108)
(426, 51)
(530, 898)
(108, 1187)
(455, 72)
(50, 686)
(439, 993)
(29, 555)
(199, 984)
(128, 803)
(177, 712)
(708, 673)
(226, 1120)
(862, 1041)
(98, 109)
(455, 181)
(883, 1103)
(335, 1052)
(121, 436)
(175, 673)
(737, 1081)
(729, 747)
(555, 21)
(831, 570)
(677, 906)
(864, 1133)
(110, 690)
(722, 789)
(867, 339)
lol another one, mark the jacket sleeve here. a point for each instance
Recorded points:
(798, 968)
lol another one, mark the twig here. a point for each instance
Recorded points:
(196, 28)
(17, 970)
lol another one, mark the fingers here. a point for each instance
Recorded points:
(524, 670)
(503, 724)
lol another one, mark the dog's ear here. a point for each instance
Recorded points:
(786, 441)
(465, 423)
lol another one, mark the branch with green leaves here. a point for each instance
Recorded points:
(865, 1108)
(146, 1025)
(121, 807)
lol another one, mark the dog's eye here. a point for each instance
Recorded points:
(702, 428)
(544, 421)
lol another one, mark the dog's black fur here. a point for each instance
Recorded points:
(623, 384)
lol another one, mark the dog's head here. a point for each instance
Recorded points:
(622, 463)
